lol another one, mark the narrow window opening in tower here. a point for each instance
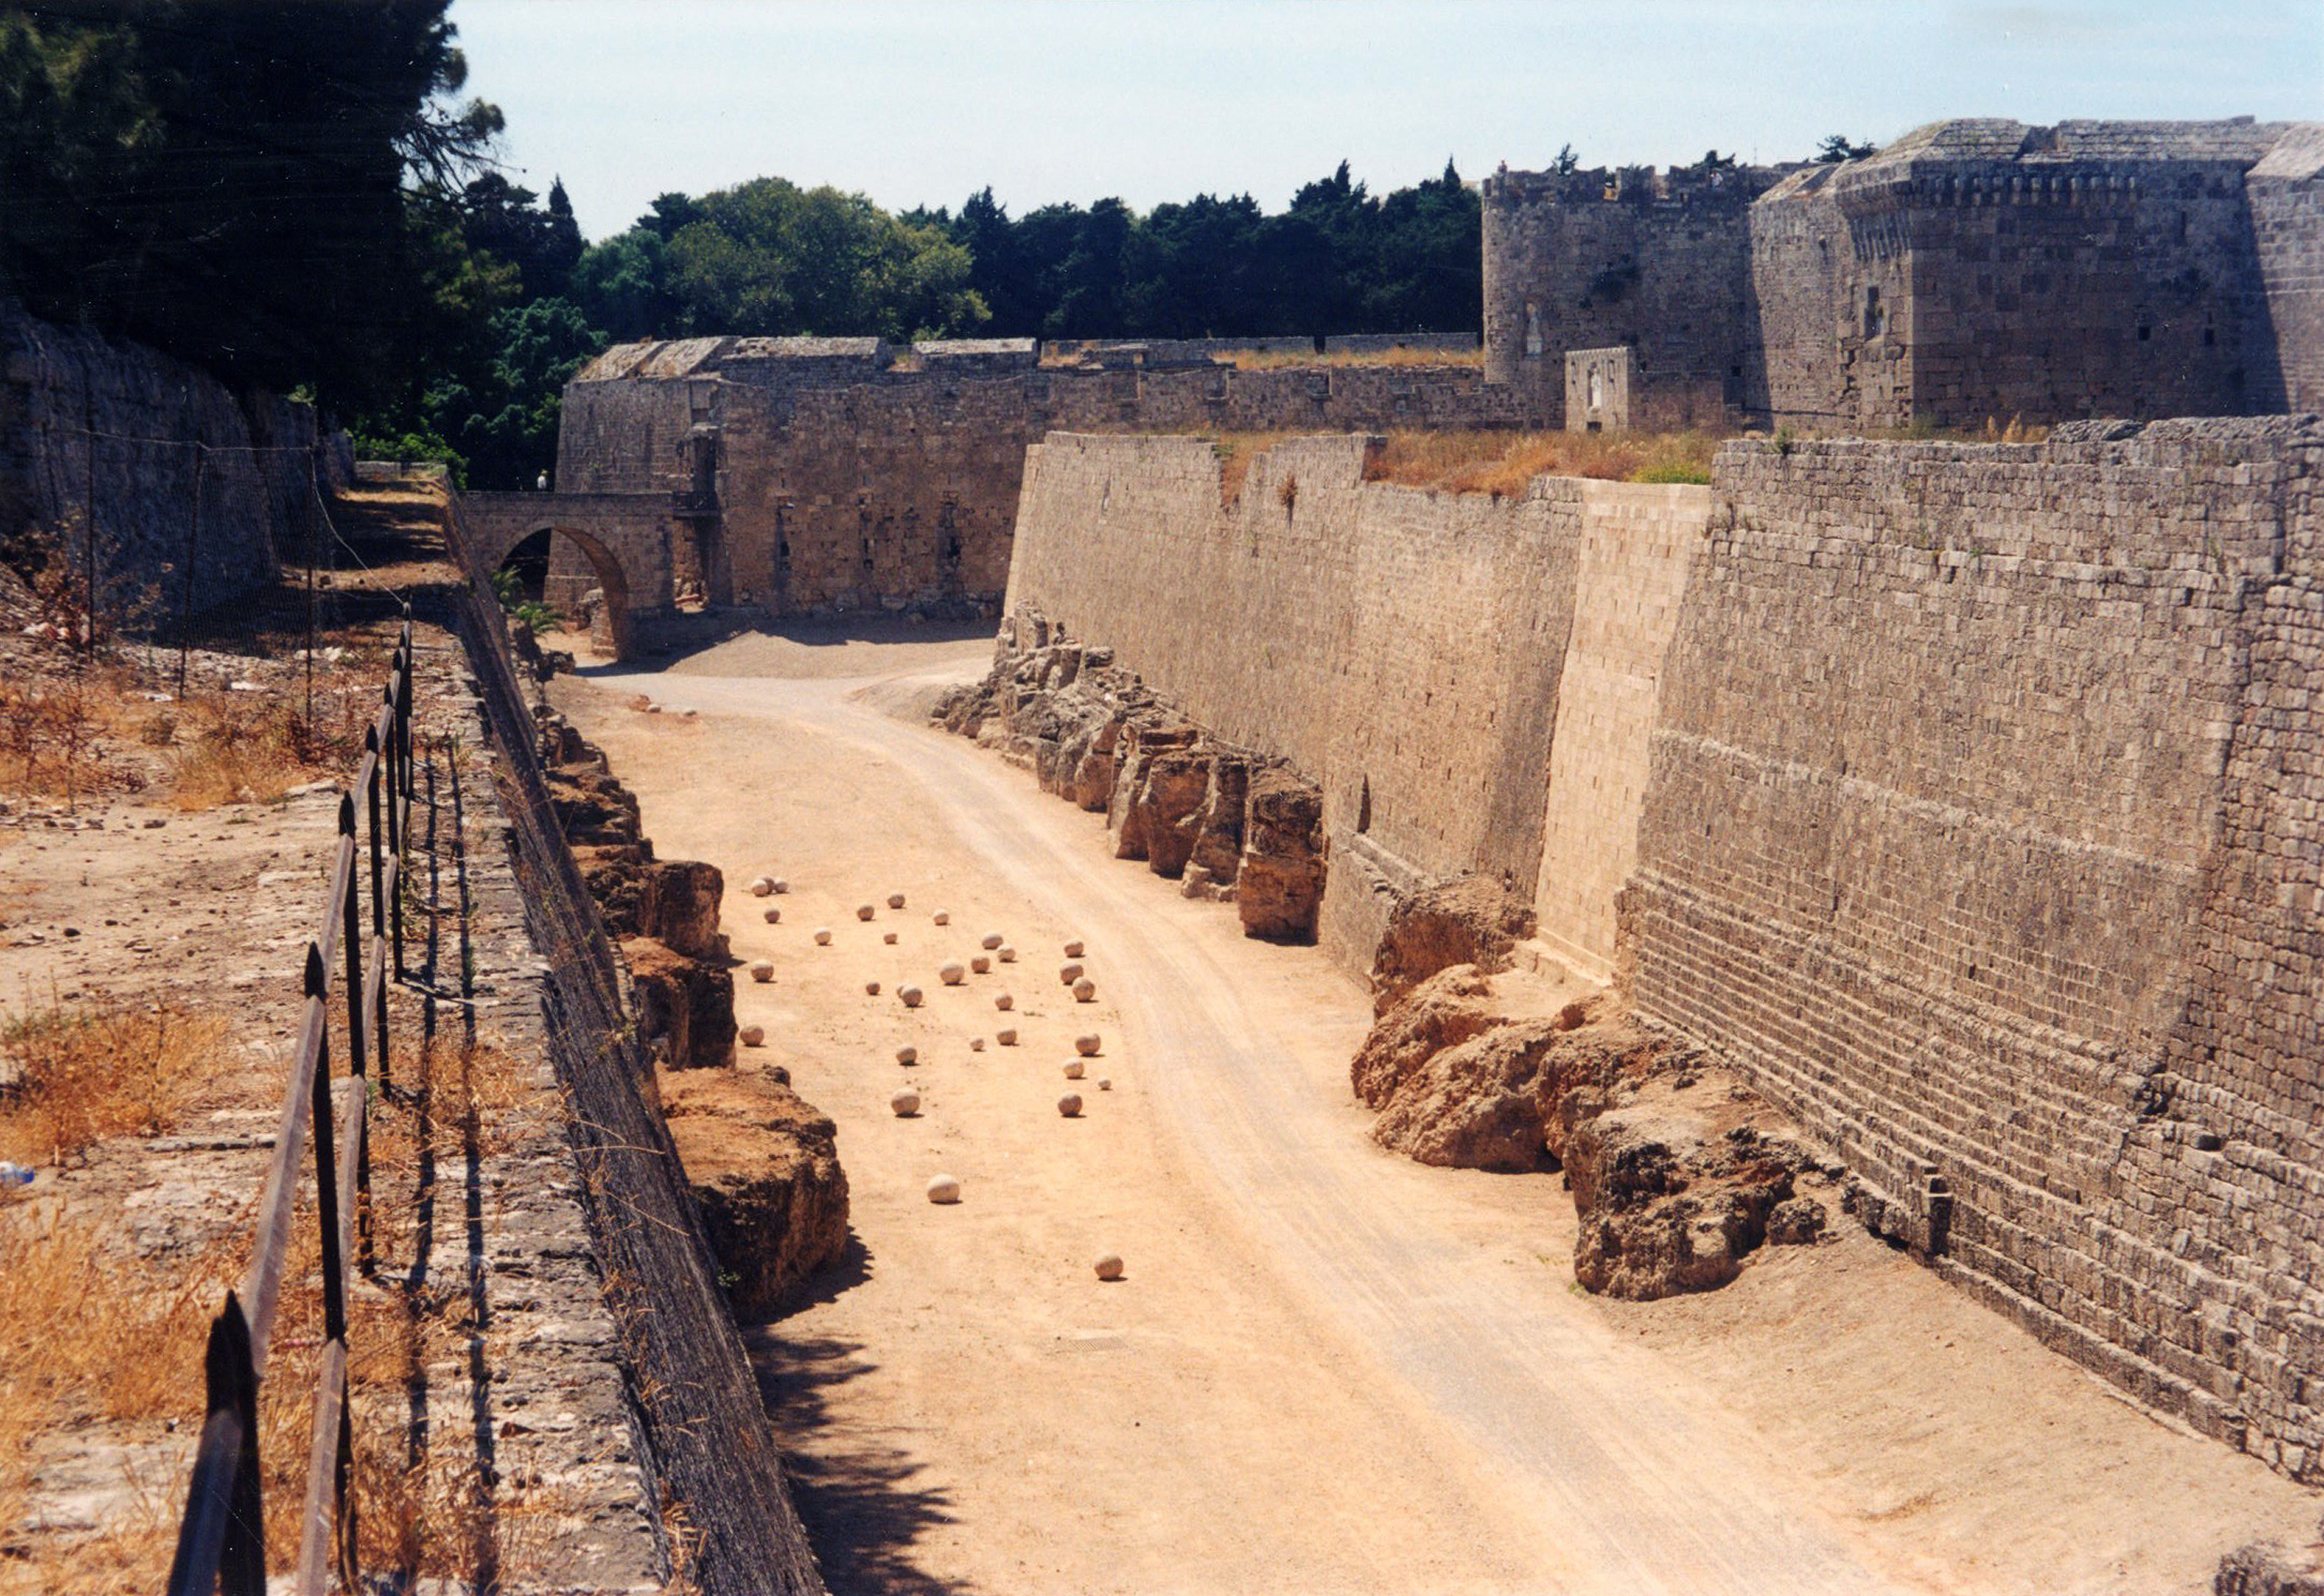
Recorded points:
(1533, 328)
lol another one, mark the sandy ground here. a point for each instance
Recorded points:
(1328, 1369)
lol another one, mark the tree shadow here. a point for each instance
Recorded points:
(863, 1511)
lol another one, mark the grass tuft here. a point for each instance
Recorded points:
(67, 1080)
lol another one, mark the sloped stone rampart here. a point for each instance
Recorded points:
(1964, 798)
(115, 435)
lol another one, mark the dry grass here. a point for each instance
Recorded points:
(55, 727)
(1504, 463)
(254, 747)
(67, 1080)
(1279, 360)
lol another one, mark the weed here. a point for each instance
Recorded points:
(72, 1079)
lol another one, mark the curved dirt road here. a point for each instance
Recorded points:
(1633, 1485)
(1380, 1376)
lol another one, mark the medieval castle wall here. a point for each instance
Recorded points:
(816, 477)
(1971, 268)
(1962, 796)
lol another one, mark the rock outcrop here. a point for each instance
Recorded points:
(1469, 921)
(764, 1167)
(1226, 823)
(1676, 1172)
(664, 913)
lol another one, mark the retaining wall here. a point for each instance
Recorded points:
(1965, 798)
(713, 1450)
(172, 469)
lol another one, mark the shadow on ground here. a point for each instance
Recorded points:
(864, 1514)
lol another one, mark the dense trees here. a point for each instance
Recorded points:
(229, 182)
(296, 193)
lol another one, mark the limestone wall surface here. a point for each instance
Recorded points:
(820, 481)
(175, 471)
(1974, 834)
(1964, 798)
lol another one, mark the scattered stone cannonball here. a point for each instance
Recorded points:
(1104, 1083)
(1075, 1068)
(907, 1056)
(1087, 1045)
(871, 989)
(942, 917)
(976, 1044)
(1005, 953)
(865, 911)
(980, 964)
(910, 995)
(895, 900)
(944, 1188)
(950, 972)
(1070, 1105)
(752, 1035)
(905, 1103)
(1069, 973)
(823, 936)
(1006, 1036)
(1004, 1002)
(762, 971)
(1072, 950)
(1085, 991)
(779, 885)
(761, 885)
(1108, 1268)
(993, 939)
(889, 938)
(774, 916)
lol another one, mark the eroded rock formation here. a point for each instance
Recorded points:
(1677, 1172)
(762, 1163)
(763, 1166)
(1226, 823)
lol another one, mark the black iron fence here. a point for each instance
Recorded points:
(222, 1539)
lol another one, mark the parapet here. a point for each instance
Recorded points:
(759, 360)
(980, 354)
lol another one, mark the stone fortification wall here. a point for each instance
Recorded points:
(1974, 833)
(1395, 645)
(2286, 190)
(1656, 260)
(116, 434)
(1964, 798)
(1974, 268)
(822, 481)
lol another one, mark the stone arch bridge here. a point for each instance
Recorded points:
(635, 545)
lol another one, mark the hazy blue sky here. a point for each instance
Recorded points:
(923, 101)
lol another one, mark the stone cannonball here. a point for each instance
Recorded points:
(944, 1188)
(823, 936)
(1006, 1036)
(750, 1036)
(761, 885)
(865, 911)
(1072, 950)
(910, 996)
(871, 989)
(950, 972)
(762, 971)
(889, 938)
(895, 900)
(980, 964)
(1074, 1069)
(1087, 1045)
(1085, 991)
(1070, 1105)
(907, 1056)
(942, 917)
(1108, 1267)
(1004, 1002)
(993, 939)
(1068, 973)
(905, 1103)
(774, 916)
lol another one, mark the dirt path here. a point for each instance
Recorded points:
(1329, 1368)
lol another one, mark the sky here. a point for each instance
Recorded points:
(924, 102)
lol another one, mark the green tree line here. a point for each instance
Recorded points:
(297, 193)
